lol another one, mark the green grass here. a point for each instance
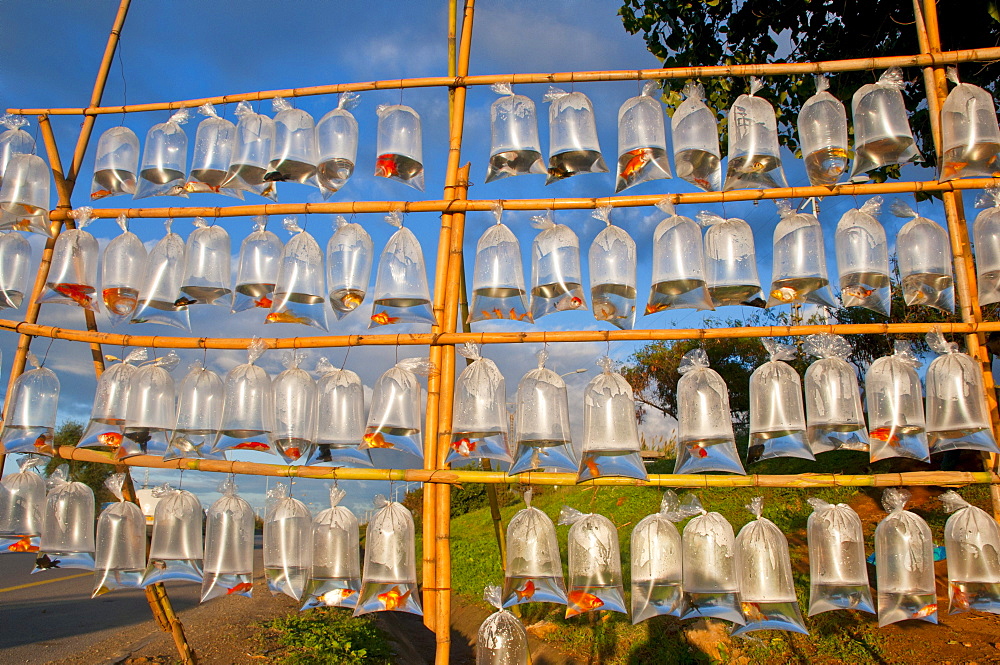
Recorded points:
(328, 636)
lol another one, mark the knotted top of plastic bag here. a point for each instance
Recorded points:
(894, 499)
(381, 502)
(323, 367)
(291, 225)
(903, 352)
(542, 356)
(82, 215)
(122, 221)
(494, 596)
(691, 504)
(348, 100)
(872, 206)
(167, 362)
(756, 506)
(336, 496)
(259, 223)
(292, 359)
(114, 483)
(571, 515)
(671, 508)
(553, 93)
(666, 205)
(11, 121)
(822, 83)
(470, 350)
(649, 88)
(900, 208)
(502, 88)
(179, 117)
(892, 78)
(135, 356)
(255, 349)
(244, 109)
(694, 90)
(776, 350)
(825, 345)
(497, 208)
(421, 366)
(706, 218)
(228, 487)
(755, 85)
(951, 501)
(208, 109)
(339, 222)
(939, 344)
(395, 218)
(279, 104)
(167, 224)
(693, 359)
(785, 208)
(29, 462)
(603, 213)
(57, 477)
(200, 223)
(33, 360)
(606, 364)
(161, 491)
(543, 222)
(278, 492)
(527, 497)
(990, 198)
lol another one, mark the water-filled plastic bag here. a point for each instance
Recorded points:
(970, 134)
(798, 260)
(207, 277)
(72, 277)
(107, 417)
(293, 151)
(705, 438)
(400, 145)
(896, 423)
(834, 417)
(299, 289)
(177, 546)
(340, 417)
(642, 139)
(498, 276)
(822, 126)
(610, 430)
(29, 425)
(541, 422)
(349, 256)
(754, 154)
(515, 149)
(863, 258)
(163, 171)
(67, 525)
(150, 415)
(200, 398)
(213, 153)
(479, 419)
(389, 582)
(402, 293)
(556, 275)
(123, 273)
(229, 539)
(120, 558)
(711, 582)
(838, 573)
(294, 410)
(972, 546)
(904, 563)
(22, 505)
(595, 567)
(534, 571)
(573, 144)
(335, 577)
(287, 543)
(248, 408)
(337, 145)
(612, 273)
(502, 639)
(257, 268)
(730, 261)
(923, 250)
(777, 415)
(678, 264)
(160, 298)
(882, 135)
(117, 163)
(695, 134)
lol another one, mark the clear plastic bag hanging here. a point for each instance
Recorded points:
(213, 153)
(595, 567)
(299, 291)
(287, 543)
(248, 406)
(123, 271)
(708, 551)
(834, 417)
(970, 134)
(294, 410)
(541, 422)
(556, 275)
(642, 139)
(22, 504)
(502, 639)
(160, 298)
(863, 258)
(798, 273)
(25, 195)
(337, 145)
(177, 546)
(498, 276)
(14, 141)
(15, 264)
(896, 423)
(257, 268)
(402, 293)
(394, 418)
(730, 261)
(72, 277)
(389, 582)
(67, 525)
(904, 563)
(515, 149)
(705, 438)
(151, 414)
(229, 543)
(838, 573)
(612, 273)
(986, 239)
(200, 399)
(923, 250)
(573, 144)
(882, 135)
(340, 418)
(251, 153)
(106, 427)
(777, 415)
(120, 558)
(767, 590)
(293, 152)
(116, 165)
(207, 277)
(656, 563)
(349, 256)
(610, 430)
(695, 134)
(972, 541)
(534, 572)
(754, 154)
(335, 577)
(400, 145)
(678, 264)
(479, 421)
(822, 126)
(163, 171)
(30, 421)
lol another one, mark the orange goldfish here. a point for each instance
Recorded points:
(959, 597)
(22, 225)
(335, 597)
(785, 294)
(286, 317)
(592, 466)
(581, 601)
(251, 445)
(293, 453)
(514, 316)
(382, 318)
(638, 159)
(110, 439)
(703, 183)
(351, 301)
(526, 592)
(386, 166)
(100, 194)
(653, 308)
(952, 169)
(42, 445)
(375, 440)
(885, 434)
(269, 190)
(925, 611)
(393, 599)
(753, 612)
(569, 302)
(858, 291)
(263, 301)
(486, 315)
(23, 545)
(464, 446)
(240, 588)
(698, 448)
(78, 293)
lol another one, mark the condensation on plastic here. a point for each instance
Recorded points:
(595, 567)
(257, 268)
(72, 276)
(67, 525)
(287, 543)
(251, 153)
(294, 392)
(248, 407)
(120, 557)
(972, 544)
(30, 419)
(882, 135)
(402, 293)
(22, 505)
(151, 414)
(834, 416)
(970, 134)
(177, 545)
(394, 418)
(207, 276)
(15, 264)
(541, 422)
(923, 251)
(515, 149)
(479, 421)
(229, 540)
(117, 163)
(163, 170)
(822, 126)
(678, 264)
(642, 139)
(656, 563)
(612, 273)
(335, 577)
(340, 418)
(896, 423)
(400, 145)
(25, 195)
(695, 134)
(730, 261)
(986, 236)
(863, 258)
(123, 271)
(798, 273)
(705, 438)
(389, 582)
(573, 144)
(337, 145)
(299, 290)
(349, 255)
(293, 152)
(754, 154)
(107, 417)
(777, 415)
(534, 571)
(160, 298)
(556, 275)
(213, 153)
(904, 563)
(498, 290)
(610, 431)
(838, 573)
(708, 551)
(200, 398)
(502, 639)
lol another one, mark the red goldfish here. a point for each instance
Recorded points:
(240, 588)
(286, 317)
(293, 453)
(42, 445)
(393, 599)
(23, 545)
(251, 445)
(100, 194)
(386, 166)
(653, 308)
(464, 446)
(858, 291)
(264, 302)
(110, 439)
(581, 601)
(703, 183)
(885, 434)
(526, 592)
(959, 597)
(78, 293)
(382, 318)
(698, 448)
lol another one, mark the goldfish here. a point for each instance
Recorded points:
(604, 310)
(382, 318)
(22, 225)
(653, 308)
(754, 166)
(753, 612)
(925, 611)
(269, 190)
(45, 563)
(464, 446)
(110, 439)
(184, 302)
(568, 302)
(286, 317)
(335, 597)
(698, 448)
(293, 453)
(486, 315)
(264, 302)
(885, 434)
(526, 592)
(581, 601)
(375, 440)
(638, 159)
(592, 466)
(251, 445)
(42, 444)
(393, 599)
(785, 294)
(75, 292)
(351, 301)
(100, 194)
(22, 545)
(858, 291)
(703, 183)
(514, 316)
(959, 597)
(386, 166)
(952, 169)
(240, 588)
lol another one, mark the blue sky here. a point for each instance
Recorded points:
(188, 49)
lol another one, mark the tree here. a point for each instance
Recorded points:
(91, 474)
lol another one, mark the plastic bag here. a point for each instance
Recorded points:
(348, 266)
(163, 171)
(30, 420)
(956, 410)
(777, 416)
(822, 126)
(515, 149)
(534, 572)
(251, 153)
(248, 408)
(595, 567)
(882, 134)
(705, 438)
(502, 639)
(228, 546)
(695, 134)
(213, 153)
(610, 431)
(730, 261)
(337, 145)
(25, 195)
(151, 413)
(834, 417)
(555, 268)
(642, 139)
(923, 250)
(573, 144)
(200, 397)
(160, 298)
(479, 422)
(754, 155)
(389, 582)
(904, 563)
(287, 543)
(207, 276)
(294, 410)
(340, 417)
(15, 264)
(335, 578)
(678, 264)
(708, 551)
(67, 525)
(972, 541)
(177, 546)
(896, 424)
(767, 590)
(299, 292)
(863, 258)
(22, 502)
(970, 134)
(123, 271)
(798, 273)
(656, 563)
(612, 273)
(394, 418)
(498, 277)
(108, 416)
(120, 558)
(400, 145)
(402, 294)
(293, 152)
(72, 278)
(541, 422)
(986, 236)
(838, 575)
(15, 141)
(257, 271)
(116, 165)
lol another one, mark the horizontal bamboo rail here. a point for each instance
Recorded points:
(455, 477)
(770, 69)
(486, 205)
(537, 337)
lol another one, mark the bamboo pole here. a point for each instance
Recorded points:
(770, 69)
